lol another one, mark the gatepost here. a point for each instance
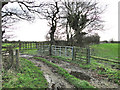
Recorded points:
(88, 55)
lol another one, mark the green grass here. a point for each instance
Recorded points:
(5, 44)
(70, 78)
(9, 45)
(81, 64)
(28, 76)
(14, 44)
(106, 50)
(100, 68)
(31, 52)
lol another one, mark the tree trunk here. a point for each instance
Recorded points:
(52, 42)
(67, 32)
(0, 46)
(78, 37)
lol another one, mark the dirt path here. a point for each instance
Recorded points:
(55, 81)
(91, 77)
(84, 74)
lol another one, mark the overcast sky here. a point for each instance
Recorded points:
(36, 31)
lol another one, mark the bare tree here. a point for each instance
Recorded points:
(81, 16)
(58, 35)
(24, 10)
(50, 12)
(14, 11)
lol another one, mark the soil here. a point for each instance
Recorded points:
(54, 80)
(58, 81)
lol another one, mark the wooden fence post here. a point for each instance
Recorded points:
(73, 53)
(35, 45)
(40, 48)
(43, 49)
(19, 45)
(88, 55)
(17, 59)
(11, 55)
(23, 45)
(31, 45)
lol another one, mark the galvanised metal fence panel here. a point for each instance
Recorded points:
(75, 53)
(43, 49)
(66, 51)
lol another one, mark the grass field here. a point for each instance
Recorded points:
(107, 50)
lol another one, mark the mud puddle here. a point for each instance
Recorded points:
(80, 75)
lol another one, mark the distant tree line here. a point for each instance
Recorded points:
(105, 41)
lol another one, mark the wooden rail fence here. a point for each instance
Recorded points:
(10, 58)
(76, 53)
(105, 59)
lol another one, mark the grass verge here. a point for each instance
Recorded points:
(70, 78)
(28, 76)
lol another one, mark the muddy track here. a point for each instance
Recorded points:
(84, 74)
(54, 80)
(57, 81)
